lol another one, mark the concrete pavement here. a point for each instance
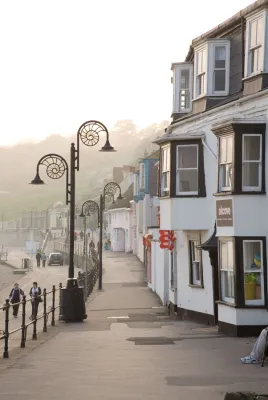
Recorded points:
(129, 348)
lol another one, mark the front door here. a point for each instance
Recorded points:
(213, 254)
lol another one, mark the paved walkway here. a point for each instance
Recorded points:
(130, 349)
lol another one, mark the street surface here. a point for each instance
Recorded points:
(130, 349)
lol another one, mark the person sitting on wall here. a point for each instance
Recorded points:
(259, 349)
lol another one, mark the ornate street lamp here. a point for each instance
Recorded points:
(108, 196)
(72, 301)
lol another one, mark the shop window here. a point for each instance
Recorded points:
(253, 272)
(227, 270)
(195, 263)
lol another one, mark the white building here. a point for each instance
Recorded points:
(213, 168)
(119, 223)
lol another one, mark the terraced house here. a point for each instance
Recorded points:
(213, 178)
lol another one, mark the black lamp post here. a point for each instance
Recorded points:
(108, 195)
(89, 208)
(72, 300)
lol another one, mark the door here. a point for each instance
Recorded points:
(213, 254)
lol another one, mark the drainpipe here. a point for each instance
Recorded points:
(208, 148)
(243, 49)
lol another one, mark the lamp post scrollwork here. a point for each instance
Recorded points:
(108, 196)
(56, 166)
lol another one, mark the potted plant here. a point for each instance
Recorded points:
(250, 286)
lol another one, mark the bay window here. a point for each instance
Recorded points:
(165, 171)
(251, 162)
(241, 161)
(182, 87)
(227, 270)
(243, 271)
(187, 169)
(226, 163)
(212, 68)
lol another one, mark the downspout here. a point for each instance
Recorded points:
(208, 148)
(243, 49)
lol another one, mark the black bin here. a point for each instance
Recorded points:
(72, 302)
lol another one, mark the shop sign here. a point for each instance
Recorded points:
(224, 210)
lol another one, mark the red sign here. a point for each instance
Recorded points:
(167, 239)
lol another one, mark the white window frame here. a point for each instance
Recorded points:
(142, 176)
(177, 69)
(165, 170)
(197, 251)
(257, 302)
(262, 45)
(204, 71)
(209, 66)
(252, 188)
(221, 187)
(178, 192)
(225, 298)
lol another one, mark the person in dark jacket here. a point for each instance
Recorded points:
(38, 258)
(35, 294)
(14, 298)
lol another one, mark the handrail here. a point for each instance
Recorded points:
(35, 300)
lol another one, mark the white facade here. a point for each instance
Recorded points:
(119, 229)
(192, 218)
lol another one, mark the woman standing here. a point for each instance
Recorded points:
(35, 294)
(14, 298)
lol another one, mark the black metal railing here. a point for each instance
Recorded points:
(87, 279)
(34, 300)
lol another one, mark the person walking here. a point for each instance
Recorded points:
(35, 294)
(15, 297)
(44, 259)
(38, 258)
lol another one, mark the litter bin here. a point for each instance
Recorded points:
(25, 263)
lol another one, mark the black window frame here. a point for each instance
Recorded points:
(237, 131)
(173, 168)
(239, 292)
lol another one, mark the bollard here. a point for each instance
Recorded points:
(60, 287)
(34, 299)
(5, 354)
(45, 310)
(23, 329)
(53, 306)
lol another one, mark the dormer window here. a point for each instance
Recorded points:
(211, 67)
(182, 87)
(256, 37)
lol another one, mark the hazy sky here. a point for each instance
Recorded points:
(64, 62)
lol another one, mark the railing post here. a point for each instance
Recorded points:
(34, 299)
(53, 306)
(45, 310)
(5, 354)
(22, 343)
(60, 287)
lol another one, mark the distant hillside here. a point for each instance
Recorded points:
(18, 166)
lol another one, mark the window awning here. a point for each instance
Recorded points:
(212, 242)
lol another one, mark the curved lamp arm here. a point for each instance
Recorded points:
(109, 192)
(89, 134)
(90, 207)
(56, 166)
